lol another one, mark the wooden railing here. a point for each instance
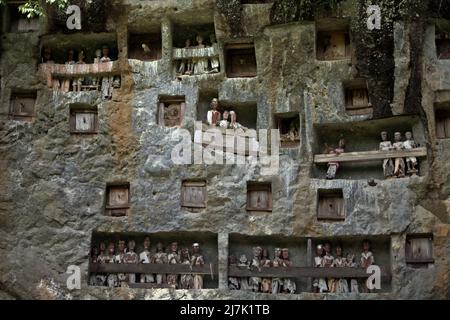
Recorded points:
(234, 271)
(71, 70)
(369, 155)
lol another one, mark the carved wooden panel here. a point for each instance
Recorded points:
(330, 206)
(83, 120)
(22, 106)
(259, 197)
(193, 194)
(419, 249)
(171, 113)
(442, 125)
(357, 101)
(333, 45)
(241, 61)
(117, 200)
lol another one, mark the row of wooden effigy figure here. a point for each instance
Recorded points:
(105, 84)
(392, 168)
(126, 254)
(323, 259)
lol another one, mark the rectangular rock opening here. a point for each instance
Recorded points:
(259, 196)
(330, 205)
(145, 46)
(352, 255)
(240, 59)
(171, 111)
(442, 120)
(442, 39)
(289, 126)
(22, 105)
(244, 263)
(357, 98)
(362, 157)
(66, 49)
(149, 260)
(83, 119)
(333, 39)
(193, 35)
(419, 251)
(117, 199)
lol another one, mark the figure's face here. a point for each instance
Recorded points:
(265, 254)
(408, 135)
(257, 251)
(341, 143)
(232, 259)
(327, 247)
(384, 136)
(285, 254)
(243, 259)
(339, 251)
(319, 250)
(147, 243)
(105, 52)
(214, 104)
(174, 247)
(188, 43)
(121, 246)
(131, 245)
(71, 54)
(199, 39)
(277, 253)
(159, 247)
(111, 248)
(81, 56)
(350, 257)
(225, 115)
(196, 248)
(366, 246)
(398, 136)
(102, 246)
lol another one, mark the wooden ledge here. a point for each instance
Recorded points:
(304, 272)
(369, 155)
(151, 268)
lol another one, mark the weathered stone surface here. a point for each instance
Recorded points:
(53, 184)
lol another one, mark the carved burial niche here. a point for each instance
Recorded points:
(357, 98)
(259, 196)
(145, 47)
(289, 126)
(333, 44)
(83, 119)
(240, 60)
(419, 250)
(443, 45)
(117, 199)
(442, 124)
(330, 205)
(193, 194)
(22, 105)
(171, 111)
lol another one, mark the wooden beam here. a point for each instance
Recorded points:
(304, 272)
(152, 268)
(149, 285)
(369, 155)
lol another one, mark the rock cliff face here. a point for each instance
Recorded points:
(53, 183)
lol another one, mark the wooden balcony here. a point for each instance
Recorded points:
(189, 53)
(363, 156)
(234, 271)
(74, 70)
